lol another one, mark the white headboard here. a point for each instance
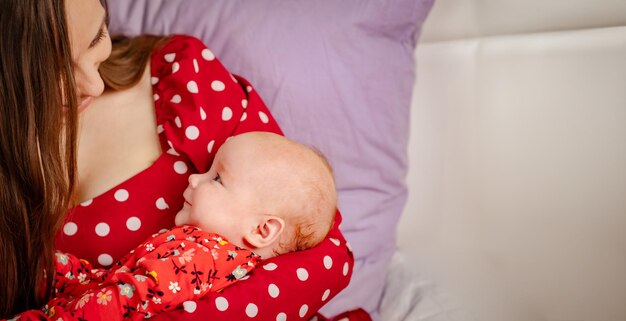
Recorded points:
(517, 181)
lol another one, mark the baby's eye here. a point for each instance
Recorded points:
(217, 178)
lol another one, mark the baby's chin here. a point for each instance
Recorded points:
(181, 218)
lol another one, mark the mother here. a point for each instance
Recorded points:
(169, 107)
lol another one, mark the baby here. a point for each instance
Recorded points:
(264, 195)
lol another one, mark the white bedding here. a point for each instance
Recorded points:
(517, 164)
(412, 296)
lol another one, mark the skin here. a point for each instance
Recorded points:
(227, 198)
(254, 191)
(90, 44)
(122, 123)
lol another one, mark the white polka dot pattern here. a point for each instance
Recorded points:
(270, 266)
(133, 223)
(207, 55)
(196, 68)
(105, 259)
(252, 310)
(303, 310)
(221, 304)
(70, 228)
(264, 118)
(218, 85)
(180, 167)
(190, 306)
(161, 204)
(170, 57)
(281, 317)
(210, 146)
(192, 86)
(345, 269)
(303, 274)
(102, 229)
(273, 290)
(192, 132)
(328, 262)
(176, 99)
(86, 203)
(121, 195)
(227, 114)
(325, 295)
(171, 151)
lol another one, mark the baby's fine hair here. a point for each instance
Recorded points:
(316, 215)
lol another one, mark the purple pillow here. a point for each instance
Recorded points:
(337, 75)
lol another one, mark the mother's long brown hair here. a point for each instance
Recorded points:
(37, 147)
(128, 60)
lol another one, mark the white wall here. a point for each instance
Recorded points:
(518, 159)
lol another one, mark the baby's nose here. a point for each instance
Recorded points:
(193, 180)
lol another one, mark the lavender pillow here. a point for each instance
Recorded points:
(337, 75)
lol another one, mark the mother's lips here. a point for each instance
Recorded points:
(84, 104)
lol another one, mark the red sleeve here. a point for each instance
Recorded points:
(200, 104)
(70, 271)
(277, 289)
(73, 274)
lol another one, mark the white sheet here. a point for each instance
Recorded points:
(412, 296)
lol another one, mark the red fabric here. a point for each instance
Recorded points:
(166, 271)
(353, 315)
(192, 125)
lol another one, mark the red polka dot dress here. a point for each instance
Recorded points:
(198, 105)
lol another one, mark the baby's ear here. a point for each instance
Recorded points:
(266, 232)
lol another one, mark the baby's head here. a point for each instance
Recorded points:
(263, 192)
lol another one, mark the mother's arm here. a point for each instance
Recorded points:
(292, 285)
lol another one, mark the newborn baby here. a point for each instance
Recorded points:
(264, 193)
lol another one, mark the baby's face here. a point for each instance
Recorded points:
(222, 199)
(255, 176)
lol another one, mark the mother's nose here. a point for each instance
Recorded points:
(89, 83)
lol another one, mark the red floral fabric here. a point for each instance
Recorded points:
(167, 271)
